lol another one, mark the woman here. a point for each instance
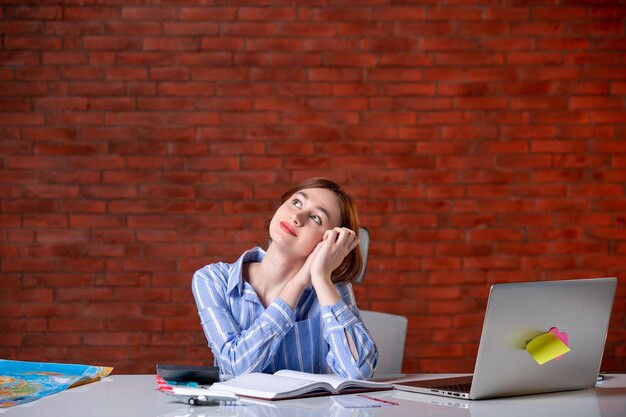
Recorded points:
(291, 307)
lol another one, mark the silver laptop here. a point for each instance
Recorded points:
(519, 312)
(583, 403)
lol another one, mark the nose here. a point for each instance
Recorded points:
(295, 219)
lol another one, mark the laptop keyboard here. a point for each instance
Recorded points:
(454, 387)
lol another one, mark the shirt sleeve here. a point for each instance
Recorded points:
(342, 319)
(237, 351)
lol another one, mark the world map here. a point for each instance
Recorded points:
(22, 382)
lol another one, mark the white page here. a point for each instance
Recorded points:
(262, 385)
(333, 380)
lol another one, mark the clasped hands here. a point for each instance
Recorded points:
(329, 253)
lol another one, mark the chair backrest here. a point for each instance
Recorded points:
(364, 245)
(389, 333)
(387, 330)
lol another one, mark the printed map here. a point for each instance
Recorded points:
(22, 382)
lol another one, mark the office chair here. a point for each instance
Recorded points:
(389, 333)
(387, 330)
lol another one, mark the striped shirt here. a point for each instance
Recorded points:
(246, 337)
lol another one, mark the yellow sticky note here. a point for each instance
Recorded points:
(546, 347)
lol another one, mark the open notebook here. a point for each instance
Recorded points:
(286, 384)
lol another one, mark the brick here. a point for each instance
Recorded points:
(317, 29)
(395, 74)
(251, 59)
(97, 89)
(398, 118)
(562, 43)
(249, 29)
(295, 59)
(23, 89)
(608, 13)
(165, 104)
(20, 58)
(92, 13)
(537, 29)
(149, 13)
(222, 44)
(26, 12)
(504, 44)
(506, 13)
(244, 89)
(324, 44)
(352, 89)
(454, 59)
(68, 149)
(600, 116)
(349, 60)
(334, 74)
(559, 13)
(389, 44)
(487, 103)
(281, 74)
(455, 277)
(191, 28)
(338, 14)
(410, 89)
(482, 28)
(262, 13)
(125, 74)
(558, 146)
(170, 44)
(208, 13)
(31, 42)
(448, 44)
(111, 43)
(605, 28)
(535, 58)
(396, 13)
(362, 29)
(64, 58)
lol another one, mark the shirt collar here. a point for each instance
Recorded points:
(235, 278)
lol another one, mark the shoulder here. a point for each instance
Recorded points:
(216, 271)
(223, 274)
(212, 278)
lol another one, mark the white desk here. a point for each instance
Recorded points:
(135, 395)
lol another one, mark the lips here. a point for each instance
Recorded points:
(287, 228)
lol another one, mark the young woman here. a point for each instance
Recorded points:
(292, 306)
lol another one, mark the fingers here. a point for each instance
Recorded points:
(343, 237)
(336, 244)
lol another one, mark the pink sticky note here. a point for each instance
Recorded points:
(562, 336)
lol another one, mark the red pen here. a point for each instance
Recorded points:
(377, 399)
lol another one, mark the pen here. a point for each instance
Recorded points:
(84, 382)
(377, 399)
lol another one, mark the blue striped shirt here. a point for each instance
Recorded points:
(246, 337)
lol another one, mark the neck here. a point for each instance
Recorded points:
(270, 276)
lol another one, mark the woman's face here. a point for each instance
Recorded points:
(300, 222)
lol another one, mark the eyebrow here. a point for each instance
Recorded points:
(320, 208)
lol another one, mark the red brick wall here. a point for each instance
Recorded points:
(484, 141)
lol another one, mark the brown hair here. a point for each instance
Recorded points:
(353, 262)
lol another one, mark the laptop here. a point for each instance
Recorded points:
(519, 312)
(583, 403)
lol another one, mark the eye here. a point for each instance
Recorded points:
(317, 219)
(296, 202)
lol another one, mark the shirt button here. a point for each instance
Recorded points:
(286, 325)
(328, 320)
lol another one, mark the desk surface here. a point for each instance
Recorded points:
(135, 395)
